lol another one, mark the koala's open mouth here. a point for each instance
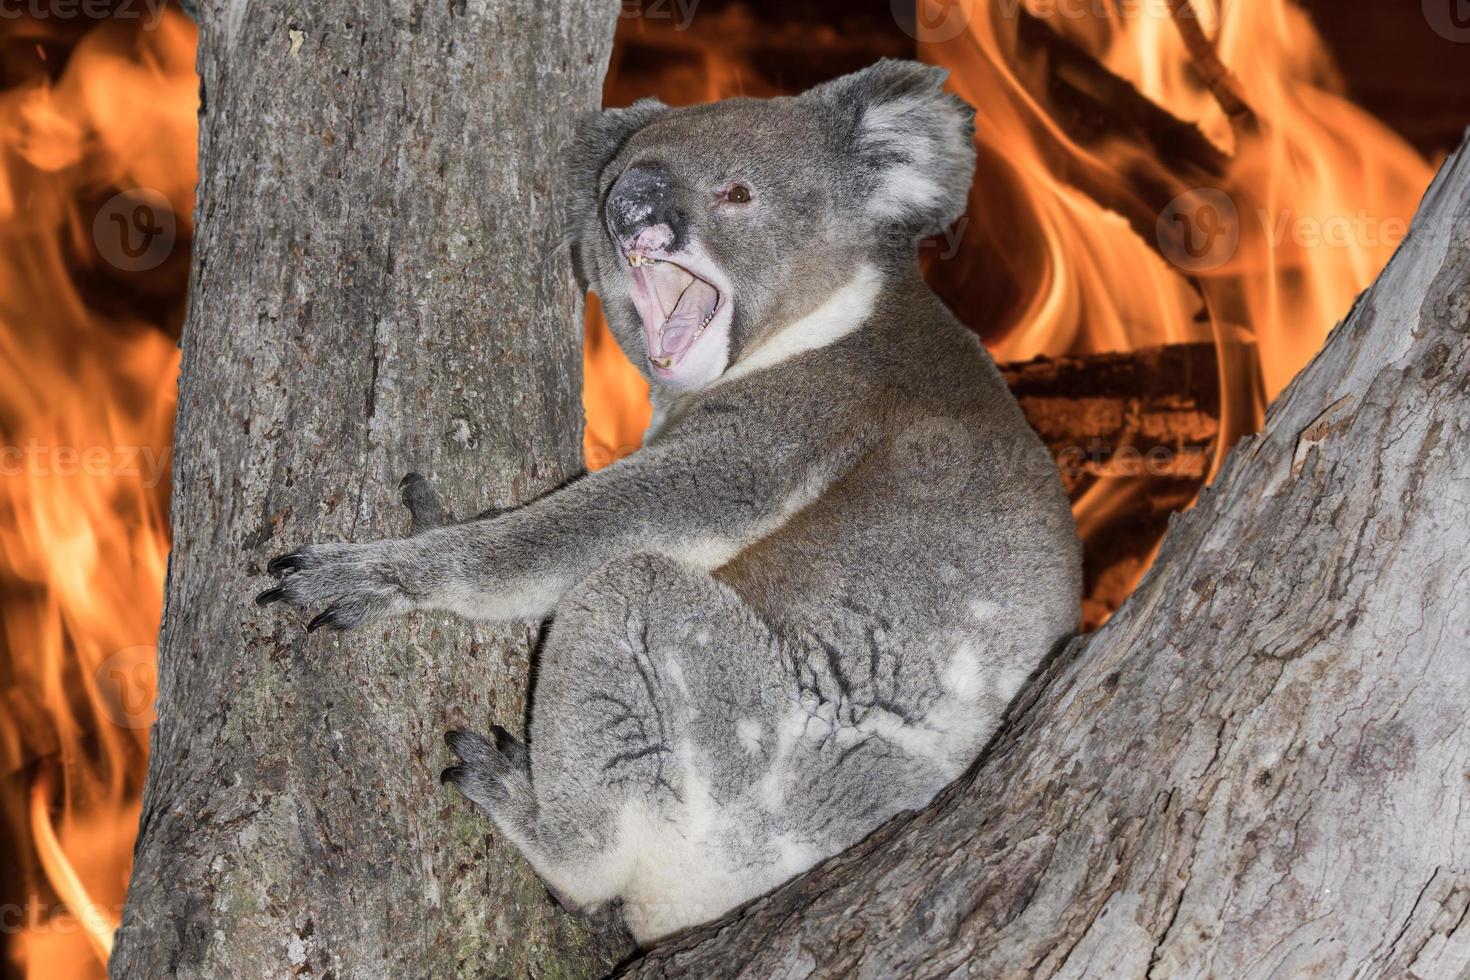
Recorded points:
(676, 307)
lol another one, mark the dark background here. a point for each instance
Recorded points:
(1393, 62)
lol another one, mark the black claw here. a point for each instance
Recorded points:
(512, 748)
(326, 618)
(271, 595)
(285, 563)
(451, 775)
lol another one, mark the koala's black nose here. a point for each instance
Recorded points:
(643, 198)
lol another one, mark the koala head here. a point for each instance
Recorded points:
(707, 229)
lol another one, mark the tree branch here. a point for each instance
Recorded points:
(376, 190)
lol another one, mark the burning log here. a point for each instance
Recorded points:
(1145, 421)
(1256, 768)
(360, 307)
(1211, 69)
(1094, 107)
(1153, 411)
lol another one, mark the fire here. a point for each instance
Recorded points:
(614, 395)
(91, 289)
(1321, 191)
(1093, 228)
(1257, 243)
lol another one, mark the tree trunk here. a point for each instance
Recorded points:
(1259, 767)
(377, 288)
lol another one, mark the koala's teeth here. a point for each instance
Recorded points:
(661, 362)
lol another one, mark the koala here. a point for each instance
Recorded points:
(804, 604)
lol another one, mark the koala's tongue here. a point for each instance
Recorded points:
(681, 329)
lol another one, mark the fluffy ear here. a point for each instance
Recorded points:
(598, 139)
(914, 143)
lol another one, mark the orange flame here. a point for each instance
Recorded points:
(96, 184)
(1322, 191)
(1311, 197)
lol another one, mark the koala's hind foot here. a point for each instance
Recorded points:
(494, 776)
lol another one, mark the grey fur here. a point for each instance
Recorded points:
(803, 606)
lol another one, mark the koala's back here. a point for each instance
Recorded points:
(915, 595)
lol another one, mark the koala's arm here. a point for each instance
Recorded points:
(690, 499)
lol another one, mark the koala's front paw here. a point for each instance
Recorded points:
(357, 583)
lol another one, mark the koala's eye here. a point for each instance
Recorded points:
(738, 194)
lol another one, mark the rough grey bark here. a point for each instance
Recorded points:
(376, 290)
(1260, 767)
